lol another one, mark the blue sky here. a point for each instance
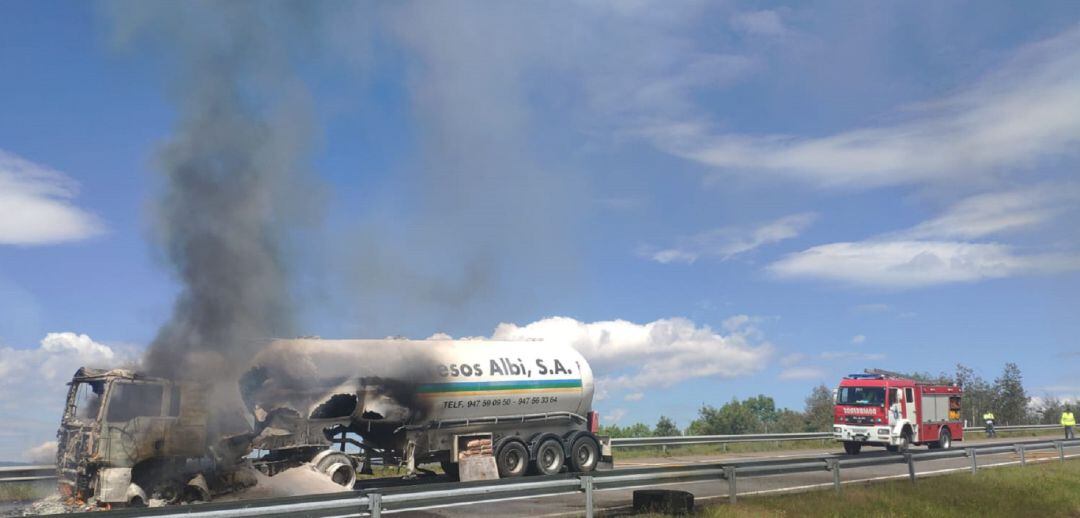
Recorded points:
(719, 199)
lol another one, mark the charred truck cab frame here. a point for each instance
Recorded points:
(125, 437)
(880, 408)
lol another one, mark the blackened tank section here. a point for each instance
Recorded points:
(295, 387)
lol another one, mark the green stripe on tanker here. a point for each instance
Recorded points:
(497, 386)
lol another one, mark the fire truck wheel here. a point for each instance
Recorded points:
(905, 441)
(852, 448)
(945, 439)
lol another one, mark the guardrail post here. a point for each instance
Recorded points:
(729, 474)
(375, 504)
(834, 466)
(1061, 450)
(973, 454)
(587, 487)
(1020, 451)
(910, 466)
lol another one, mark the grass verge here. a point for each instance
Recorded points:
(1050, 489)
(25, 491)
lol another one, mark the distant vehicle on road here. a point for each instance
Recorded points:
(880, 408)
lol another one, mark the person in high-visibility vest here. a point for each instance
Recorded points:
(1068, 421)
(989, 418)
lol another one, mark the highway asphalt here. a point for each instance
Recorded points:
(614, 501)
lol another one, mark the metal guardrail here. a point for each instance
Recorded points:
(376, 501)
(47, 472)
(627, 442)
(27, 473)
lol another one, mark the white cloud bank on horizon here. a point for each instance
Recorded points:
(33, 386)
(928, 254)
(1026, 110)
(726, 243)
(36, 208)
(630, 357)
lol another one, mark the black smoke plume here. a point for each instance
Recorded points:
(235, 179)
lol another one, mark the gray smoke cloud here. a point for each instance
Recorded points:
(235, 180)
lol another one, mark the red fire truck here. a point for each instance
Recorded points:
(879, 408)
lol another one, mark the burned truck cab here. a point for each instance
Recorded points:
(123, 435)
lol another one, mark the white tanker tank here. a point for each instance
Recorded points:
(423, 400)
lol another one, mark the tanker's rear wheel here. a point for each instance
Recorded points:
(550, 457)
(512, 459)
(584, 454)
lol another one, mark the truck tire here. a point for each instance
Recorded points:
(905, 441)
(512, 459)
(944, 439)
(337, 466)
(550, 457)
(584, 454)
(852, 448)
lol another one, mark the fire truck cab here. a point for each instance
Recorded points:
(883, 409)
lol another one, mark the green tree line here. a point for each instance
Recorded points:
(1005, 396)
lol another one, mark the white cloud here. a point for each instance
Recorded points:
(858, 339)
(626, 356)
(726, 243)
(850, 355)
(793, 367)
(998, 212)
(909, 264)
(928, 254)
(1007, 121)
(33, 385)
(802, 373)
(760, 23)
(614, 416)
(634, 396)
(790, 360)
(36, 208)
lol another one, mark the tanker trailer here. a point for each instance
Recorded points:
(423, 401)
